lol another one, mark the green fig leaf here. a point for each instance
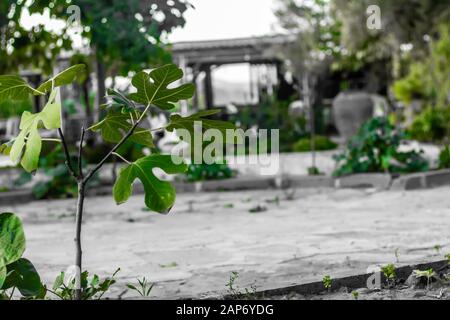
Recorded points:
(15, 88)
(2, 276)
(179, 122)
(159, 195)
(156, 92)
(12, 239)
(23, 275)
(27, 145)
(63, 78)
(116, 124)
(5, 148)
(119, 102)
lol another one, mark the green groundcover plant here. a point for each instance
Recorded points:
(122, 123)
(214, 171)
(376, 149)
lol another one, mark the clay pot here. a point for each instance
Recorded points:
(350, 110)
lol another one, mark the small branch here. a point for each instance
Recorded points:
(12, 293)
(80, 154)
(47, 140)
(56, 294)
(66, 152)
(51, 140)
(90, 128)
(122, 158)
(117, 146)
(157, 129)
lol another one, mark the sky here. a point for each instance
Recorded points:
(221, 19)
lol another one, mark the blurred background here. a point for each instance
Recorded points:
(315, 69)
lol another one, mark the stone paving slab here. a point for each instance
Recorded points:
(192, 251)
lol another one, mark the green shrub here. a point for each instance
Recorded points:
(322, 143)
(430, 125)
(444, 158)
(375, 149)
(412, 86)
(201, 172)
(428, 79)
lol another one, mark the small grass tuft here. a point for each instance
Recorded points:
(327, 282)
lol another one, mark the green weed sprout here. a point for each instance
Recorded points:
(327, 282)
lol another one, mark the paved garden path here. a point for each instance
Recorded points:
(193, 250)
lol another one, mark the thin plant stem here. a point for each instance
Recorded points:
(80, 154)
(51, 140)
(56, 294)
(12, 293)
(78, 247)
(66, 152)
(157, 129)
(120, 157)
(82, 182)
(117, 146)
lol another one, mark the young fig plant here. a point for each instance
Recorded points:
(123, 122)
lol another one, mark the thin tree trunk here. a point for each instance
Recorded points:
(114, 169)
(101, 89)
(87, 102)
(89, 113)
(312, 125)
(78, 250)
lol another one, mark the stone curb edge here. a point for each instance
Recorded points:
(350, 282)
(379, 181)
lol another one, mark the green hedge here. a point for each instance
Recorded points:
(322, 143)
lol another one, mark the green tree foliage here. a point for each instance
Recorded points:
(125, 33)
(403, 22)
(337, 29)
(428, 81)
(318, 33)
(23, 48)
(120, 36)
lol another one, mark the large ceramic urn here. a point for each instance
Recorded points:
(350, 110)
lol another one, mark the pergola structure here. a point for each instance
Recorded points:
(201, 56)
